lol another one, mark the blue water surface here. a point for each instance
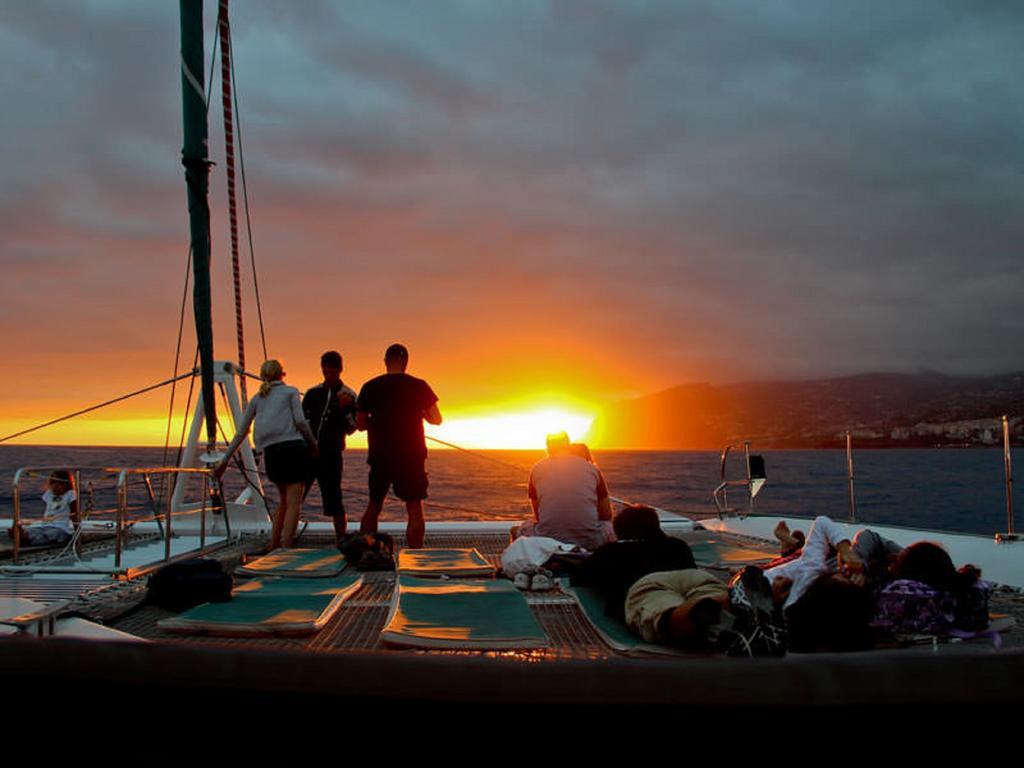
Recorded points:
(941, 489)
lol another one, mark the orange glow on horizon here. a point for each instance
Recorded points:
(506, 426)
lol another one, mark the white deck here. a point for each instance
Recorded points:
(100, 566)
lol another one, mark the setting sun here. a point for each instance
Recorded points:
(525, 429)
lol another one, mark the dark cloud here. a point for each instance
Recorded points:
(725, 191)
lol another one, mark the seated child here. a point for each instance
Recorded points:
(61, 511)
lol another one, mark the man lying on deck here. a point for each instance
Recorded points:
(651, 581)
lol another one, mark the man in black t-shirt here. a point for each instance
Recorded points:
(330, 409)
(392, 408)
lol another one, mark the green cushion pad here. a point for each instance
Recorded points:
(444, 562)
(481, 614)
(296, 563)
(269, 607)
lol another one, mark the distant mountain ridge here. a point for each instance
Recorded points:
(880, 409)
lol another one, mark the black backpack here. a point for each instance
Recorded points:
(180, 586)
(369, 552)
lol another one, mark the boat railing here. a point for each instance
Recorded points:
(753, 481)
(123, 514)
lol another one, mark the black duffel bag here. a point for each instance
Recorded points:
(180, 586)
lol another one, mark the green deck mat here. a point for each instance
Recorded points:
(475, 615)
(262, 607)
(717, 552)
(615, 633)
(444, 562)
(296, 563)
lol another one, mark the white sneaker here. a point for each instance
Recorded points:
(521, 580)
(541, 582)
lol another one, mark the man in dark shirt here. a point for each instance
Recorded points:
(330, 409)
(392, 408)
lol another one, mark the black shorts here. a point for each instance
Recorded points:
(407, 476)
(287, 462)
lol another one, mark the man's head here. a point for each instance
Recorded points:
(396, 358)
(637, 522)
(331, 366)
(558, 444)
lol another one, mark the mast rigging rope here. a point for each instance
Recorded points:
(224, 29)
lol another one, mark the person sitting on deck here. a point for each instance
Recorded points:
(569, 497)
(61, 514)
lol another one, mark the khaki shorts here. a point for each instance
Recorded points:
(655, 593)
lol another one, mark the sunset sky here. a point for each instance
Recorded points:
(554, 205)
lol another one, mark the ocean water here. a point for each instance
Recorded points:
(940, 489)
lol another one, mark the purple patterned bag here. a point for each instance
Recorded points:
(907, 607)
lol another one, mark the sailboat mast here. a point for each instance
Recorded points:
(197, 181)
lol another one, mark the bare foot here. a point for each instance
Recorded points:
(786, 539)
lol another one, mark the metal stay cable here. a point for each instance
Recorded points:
(177, 360)
(511, 465)
(492, 459)
(188, 407)
(97, 406)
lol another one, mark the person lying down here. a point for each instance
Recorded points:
(834, 594)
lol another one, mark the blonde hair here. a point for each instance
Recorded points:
(270, 371)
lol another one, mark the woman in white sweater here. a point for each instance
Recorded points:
(283, 434)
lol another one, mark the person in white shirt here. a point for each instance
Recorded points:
(61, 513)
(569, 497)
(288, 444)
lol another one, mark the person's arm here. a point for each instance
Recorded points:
(430, 410)
(243, 429)
(299, 418)
(307, 404)
(345, 397)
(433, 415)
(362, 410)
(347, 403)
(534, 501)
